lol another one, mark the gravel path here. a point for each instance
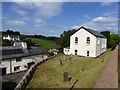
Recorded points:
(109, 75)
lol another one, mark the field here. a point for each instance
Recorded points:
(44, 43)
(50, 74)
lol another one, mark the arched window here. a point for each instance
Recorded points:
(76, 40)
(88, 40)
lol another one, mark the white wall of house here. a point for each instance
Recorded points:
(67, 51)
(7, 38)
(11, 38)
(101, 46)
(21, 64)
(6, 64)
(82, 47)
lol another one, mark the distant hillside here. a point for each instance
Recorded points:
(44, 43)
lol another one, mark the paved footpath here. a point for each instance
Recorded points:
(109, 75)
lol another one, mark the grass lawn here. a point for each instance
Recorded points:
(44, 43)
(50, 74)
(119, 67)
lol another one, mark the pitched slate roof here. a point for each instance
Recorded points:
(95, 33)
(14, 52)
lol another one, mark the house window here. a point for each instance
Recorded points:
(68, 50)
(76, 40)
(16, 68)
(76, 52)
(88, 52)
(88, 40)
(98, 42)
(18, 59)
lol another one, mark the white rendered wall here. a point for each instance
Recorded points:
(82, 46)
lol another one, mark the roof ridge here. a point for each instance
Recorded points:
(95, 33)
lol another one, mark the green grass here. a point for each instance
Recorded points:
(50, 74)
(119, 67)
(44, 43)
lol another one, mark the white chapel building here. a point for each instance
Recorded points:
(86, 42)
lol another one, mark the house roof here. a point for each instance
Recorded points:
(14, 52)
(12, 36)
(95, 33)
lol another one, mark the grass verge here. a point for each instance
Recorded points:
(50, 74)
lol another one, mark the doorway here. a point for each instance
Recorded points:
(88, 52)
(4, 71)
(76, 52)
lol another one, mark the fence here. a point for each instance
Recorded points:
(27, 77)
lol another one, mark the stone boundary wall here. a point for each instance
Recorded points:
(28, 76)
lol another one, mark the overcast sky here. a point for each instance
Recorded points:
(52, 18)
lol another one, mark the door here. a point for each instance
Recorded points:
(76, 52)
(4, 71)
(30, 64)
(88, 52)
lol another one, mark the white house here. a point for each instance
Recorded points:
(86, 42)
(16, 59)
(11, 38)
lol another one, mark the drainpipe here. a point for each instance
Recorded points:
(10, 66)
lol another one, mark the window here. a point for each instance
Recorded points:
(88, 53)
(68, 50)
(18, 59)
(76, 40)
(88, 40)
(16, 68)
(98, 42)
(76, 52)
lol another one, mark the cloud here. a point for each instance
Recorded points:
(41, 9)
(105, 20)
(110, 13)
(16, 22)
(49, 9)
(105, 4)
(18, 11)
(39, 22)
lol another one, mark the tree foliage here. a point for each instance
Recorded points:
(6, 43)
(112, 39)
(11, 32)
(64, 40)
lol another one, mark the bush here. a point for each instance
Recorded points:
(50, 54)
(112, 44)
(7, 43)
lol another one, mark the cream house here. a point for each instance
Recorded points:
(11, 38)
(86, 42)
(15, 59)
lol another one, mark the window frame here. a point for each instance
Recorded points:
(16, 68)
(18, 59)
(88, 40)
(76, 40)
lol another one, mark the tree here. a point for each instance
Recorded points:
(107, 35)
(64, 40)
(29, 43)
(112, 44)
(115, 38)
(6, 43)
(17, 33)
(10, 32)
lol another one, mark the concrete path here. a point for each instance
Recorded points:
(109, 75)
(9, 82)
